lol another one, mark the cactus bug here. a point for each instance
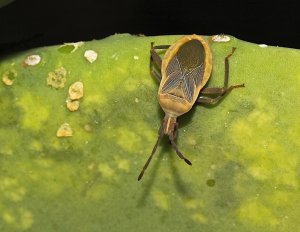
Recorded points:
(184, 71)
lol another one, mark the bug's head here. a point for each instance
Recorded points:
(168, 127)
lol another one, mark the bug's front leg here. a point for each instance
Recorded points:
(155, 58)
(219, 92)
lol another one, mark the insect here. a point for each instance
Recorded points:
(184, 71)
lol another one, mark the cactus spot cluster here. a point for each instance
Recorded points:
(90, 55)
(75, 93)
(72, 105)
(57, 78)
(9, 76)
(32, 60)
(64, 130)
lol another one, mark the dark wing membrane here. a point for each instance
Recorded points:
(172, 82)
(173, 66)
(174, 75)
(190, 81)
(188, 87)
(191, 54)
(196, 74)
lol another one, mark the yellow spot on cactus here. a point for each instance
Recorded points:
(198, 217)
(8, 182)
(127, 139)
(258, 172)
(91, 166)
(123, 165)
(88, 127)
(193, 203)
(256, 213)
(57, 78)
(15, 194)
(11, 189)
(161, 200)
(190, 140)
(33, 109)
(263, 152)
(97, 191)
(44, 163)
(9, 76)
(8, 217)
(20, 219)
(106, 171)
(36, 146)
(64, 130)
(26, 219)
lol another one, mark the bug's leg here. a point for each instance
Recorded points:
(175, 133)
(180, 155)
(156, 59)
(220, 92)
(154, 55)
(160, 135)
(209, 100)
(155, 73)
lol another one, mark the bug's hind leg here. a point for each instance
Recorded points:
(156, 59)
(219, 92)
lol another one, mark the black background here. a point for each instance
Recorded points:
(31, 23)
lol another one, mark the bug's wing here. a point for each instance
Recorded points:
(190, 81)
(174, 75)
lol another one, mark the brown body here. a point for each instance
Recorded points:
(184, 71)
(175, 105)
(172, 105)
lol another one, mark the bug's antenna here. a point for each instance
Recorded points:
(181, 156)
(152, 153)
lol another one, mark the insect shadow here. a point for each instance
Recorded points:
(182, 187)
(150, 182)
(179, 184)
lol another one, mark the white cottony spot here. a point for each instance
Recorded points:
(32, 60)
(220, 38)
(135, 57)
(263, 45)
(90, 55)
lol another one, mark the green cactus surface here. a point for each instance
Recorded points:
(70, 163)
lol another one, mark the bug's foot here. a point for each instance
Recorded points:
(188, 162)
